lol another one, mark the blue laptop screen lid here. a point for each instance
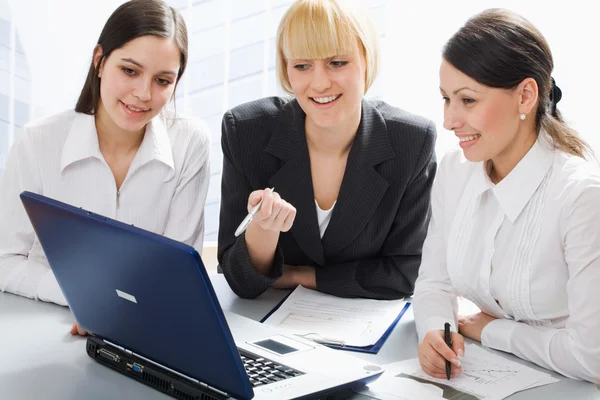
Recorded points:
(139, 290)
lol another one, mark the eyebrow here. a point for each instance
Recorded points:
(458, 90)
(132, 61)
(345, 55)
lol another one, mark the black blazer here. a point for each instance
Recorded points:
(372, 245)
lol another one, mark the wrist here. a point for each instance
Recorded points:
(262, 246)
(304, 276)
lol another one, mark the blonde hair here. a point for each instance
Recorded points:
(318, 29)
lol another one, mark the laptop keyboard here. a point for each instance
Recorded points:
(263, 371)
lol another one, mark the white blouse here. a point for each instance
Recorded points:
(323, 217)
(59, 157)
(526, 251)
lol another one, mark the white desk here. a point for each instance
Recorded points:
(39, 359)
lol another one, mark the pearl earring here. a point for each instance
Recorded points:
(523, 116)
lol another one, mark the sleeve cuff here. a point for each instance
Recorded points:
(434, 323)
(243, 279)
(24, 277)
(48, 290)
(498, 334)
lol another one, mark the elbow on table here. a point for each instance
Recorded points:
(589, 362)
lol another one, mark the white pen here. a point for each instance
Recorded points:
(246, 222)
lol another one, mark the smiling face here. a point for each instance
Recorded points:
(486, 120)
(329, 90)
(137, 81)
(327, 57)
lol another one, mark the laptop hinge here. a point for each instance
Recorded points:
(204, 385)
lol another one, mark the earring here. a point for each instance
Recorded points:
(523, 116)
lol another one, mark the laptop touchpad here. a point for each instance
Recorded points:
(281, 345)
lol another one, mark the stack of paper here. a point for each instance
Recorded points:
(486, 376)
(337, 321)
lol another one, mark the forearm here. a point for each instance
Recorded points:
(24, 277)
(387, 278)
(433, 307)
(241, 275)
(261, 246)
(560, 350)
(20, 276)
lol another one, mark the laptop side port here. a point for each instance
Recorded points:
(108, 355)
(135, 367)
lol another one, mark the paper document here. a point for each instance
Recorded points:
(486, 376)
(389, 387)
(330, 319)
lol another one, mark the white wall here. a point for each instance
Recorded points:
(417, 33)
(58, 39)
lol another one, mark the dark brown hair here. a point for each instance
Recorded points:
(131, 20)
(500, 49)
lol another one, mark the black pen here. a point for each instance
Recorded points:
(448, 340)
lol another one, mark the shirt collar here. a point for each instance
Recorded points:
(516, 189)
(483, 183)
(156, 144)
(82, 142)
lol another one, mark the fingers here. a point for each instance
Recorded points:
(254, 198)
(439, 375)
(433, 353)
(266, 209)
(267, 196)
(458, 344)
(289, 219)
(275, 214)
(285, 217)
(434, 371)
(440, 346)
(431, 359)
(438, 363)
(77, 330)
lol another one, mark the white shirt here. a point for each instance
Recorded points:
(59, 157)
(526, 251)
(323, 217)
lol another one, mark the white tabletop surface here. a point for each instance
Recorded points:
(39, 359)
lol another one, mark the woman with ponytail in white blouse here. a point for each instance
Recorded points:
(516, 213)
(120, 153)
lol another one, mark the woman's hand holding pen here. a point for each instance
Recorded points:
(275, 214)
(433, 353)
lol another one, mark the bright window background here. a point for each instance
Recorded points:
(15, 84)
(44, 57)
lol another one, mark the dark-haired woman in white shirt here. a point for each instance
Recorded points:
(516, 214)
(120, 153)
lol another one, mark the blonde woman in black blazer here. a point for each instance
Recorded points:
(369, 165)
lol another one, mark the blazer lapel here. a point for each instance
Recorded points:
(362, 187)
(293, 181)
